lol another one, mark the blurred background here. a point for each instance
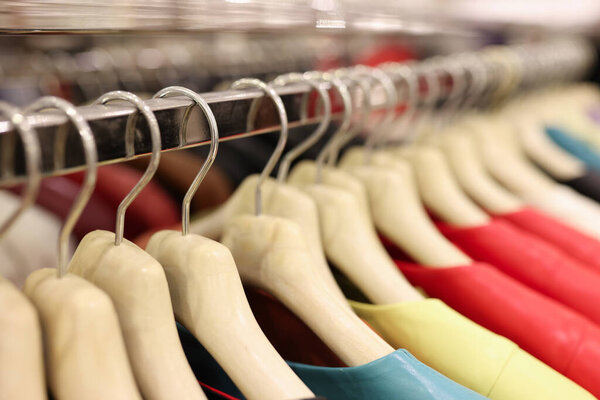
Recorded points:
(78, 50)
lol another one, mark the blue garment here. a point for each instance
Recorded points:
(575, 146)
(397, 376)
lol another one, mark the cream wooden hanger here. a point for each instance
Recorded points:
(85, 353)
(21, 358)
(348, 233)
(137, 285)
(271, 252)
(438, 189)
(209, 300)
(394, 201)
(280, 199)
(462, 156)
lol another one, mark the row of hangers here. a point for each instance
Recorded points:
(107, 316)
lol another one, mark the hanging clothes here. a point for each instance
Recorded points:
(531, 261)
(571, 241)
(546, 329)
(466, 352)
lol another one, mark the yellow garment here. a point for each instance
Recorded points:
(467, 353)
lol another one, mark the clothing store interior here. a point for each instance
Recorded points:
(294, 200)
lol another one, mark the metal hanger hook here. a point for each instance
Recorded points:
(268, 90)
(407, 75)
(340, 139)
(344, 93)
(91, 163)
(33, 158)
(212, 153)
(130, 143)
(291, 155)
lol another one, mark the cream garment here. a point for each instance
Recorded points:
(21, 358)
(23, 249)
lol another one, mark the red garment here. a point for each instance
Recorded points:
(575, 243)
(531, 261)
(561, 338)
(153, 208)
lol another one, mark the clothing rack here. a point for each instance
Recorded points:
(570, 57)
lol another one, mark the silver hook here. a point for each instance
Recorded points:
(91, 163)
(130, 143)
(407, 75)
(212, 153)
(390, 105)
(344, 126)
(31, 148)
(340, 140)
(291, 155)
(272, 94)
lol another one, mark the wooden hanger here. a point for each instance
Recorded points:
(21, 358)
(348, 233)
(137, 285)
(209, 300)
(279, 198)
(397, 209)
(85, 352)
(467, 166)
(271, 254)
(393, 197)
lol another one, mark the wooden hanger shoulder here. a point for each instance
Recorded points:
(271, 254)
(506, 166)
(470, 173)
(21, 358)
(440, 191)
(305, 173)
(397, 210)
(209, 300)
(85, 352)
(281, 200)
(137, 285)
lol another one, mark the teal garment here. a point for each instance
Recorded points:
(397, 376)
(576, 147)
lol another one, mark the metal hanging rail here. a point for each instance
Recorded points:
(62, 153)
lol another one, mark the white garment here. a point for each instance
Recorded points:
(570, 207)
(31, 242)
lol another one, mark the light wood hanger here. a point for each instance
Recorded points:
(271, 254)
(209, 300)
(348, 233)
(279, 198)
(137, 285)
(85, 352)
(397, 209)
(21, 358)
(470, 173)
(393, 197)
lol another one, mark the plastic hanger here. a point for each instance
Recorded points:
(394, 200)
(21, 358)
(138, 287)
(209, 300)
(348, 234)
(85, 353)
(438, 188)
(271, 253)
(280, 199)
